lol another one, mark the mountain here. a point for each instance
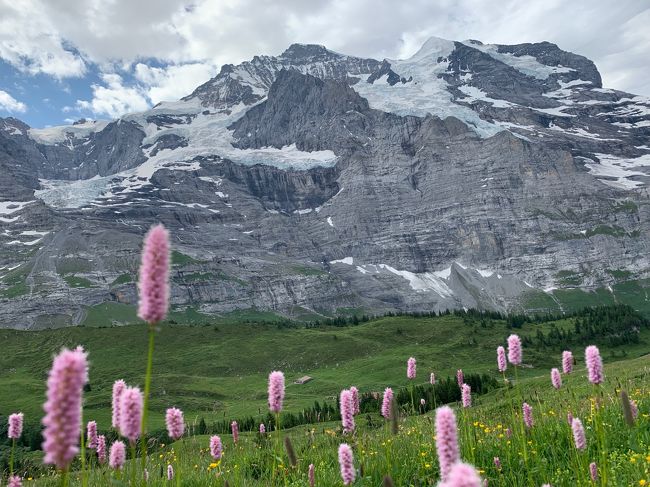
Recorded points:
(314, 183)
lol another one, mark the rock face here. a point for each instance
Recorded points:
(315, 183)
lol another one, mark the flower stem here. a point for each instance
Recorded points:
(145, 411)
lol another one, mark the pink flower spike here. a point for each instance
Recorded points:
(569, 418)
(432, 379)
(276, 391)
(262, 429)
(234, 428)
(556, 378)
(153, 285)
(347, 411)
(101, 449)
(460, 378)
(312, 475)
(175, 423)
(216, 448)
(422, 402)
(501, 359)
(14, 481)
(634, 408)
(594, 365)
(355, 399)
(497, 463)
(514, 350)
(593, 472)
(410, 368)
(118, 388)
(385, 404)
(446, 440)
(346, 462)
(91, 434)
(528, 415)
(567, 362)
(579, 434)
(131, 404)
(15, 429)
(462, 475)
(170, 472)
(117, 456)
(466, 393)
(62, 421)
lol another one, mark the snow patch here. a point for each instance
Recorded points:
(617, 171)
(346, 260)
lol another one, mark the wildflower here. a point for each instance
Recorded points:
(501, 359)
(630, 412)
(462, 475)
(422, 402)
(410, 368)
(291, 453)
(62, 419)
(347, 409)
(262, 429)
(355, 399)
(234, 428)
(466, 393)
(385, 405)
(131, 413)
(14, 481)
(276, 391)
(528, 415)
(579, 434)
(497, 463)
(170, 472)
(175, 423)
(15, 429)
(432, 379)
(593, 472)
(118, 388)
(514, 350)
(594, 364)
(312, 475)
(446, 440)
(145, 475)
(91, 434)
(567, 362)
(346, 462)
(460, 377)
(117, 455)
(216, 448)
(556, 379)
(153, 285)
(569, 418)
(101, 449)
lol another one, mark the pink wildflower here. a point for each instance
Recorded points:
(118, 388)
(410, 368)
(594, 364)
(91, 434)
(593, 472)
(101, 449)
(528, 415)
(514, 350)
(170, 472)
(501, 359)
(262, 429)
(462, 475)
(466, 393)
(579, 434)
(346, 462)
(15, 426)
(446, 440)
(385, 405)
(14, 481)
(62, 419)
(312, 475)
(347, 411)
(234, 428)
(556, 378)
(567, 362)
(355, 399)
(216, 448)
(153, 284)
(460, 378)
(131, 413)
(276, 391)
(497, 463)
(432, 379)
(175, 423)
(117, 456)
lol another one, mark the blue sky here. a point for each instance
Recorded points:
(61, 60)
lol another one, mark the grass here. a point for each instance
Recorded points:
(77, 281)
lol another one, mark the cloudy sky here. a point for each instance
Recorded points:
(65, 59)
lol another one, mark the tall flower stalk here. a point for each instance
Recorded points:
(596, 376)
(14, 431)
(153, 287)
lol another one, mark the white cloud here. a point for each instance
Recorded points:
(174, 81)
(114, 99)
(10, 104)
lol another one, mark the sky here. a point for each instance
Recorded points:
(61, 60)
